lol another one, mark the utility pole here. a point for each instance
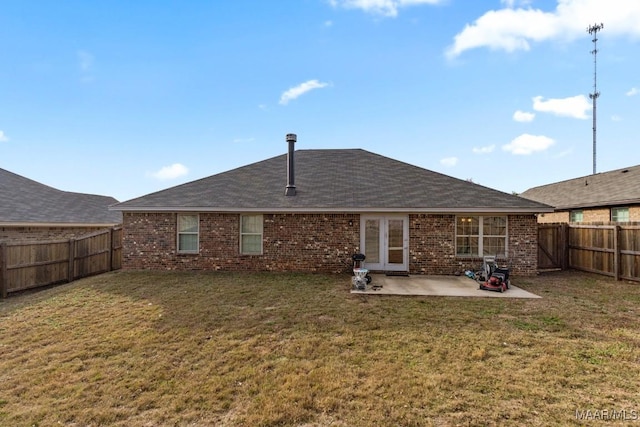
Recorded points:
(593, 29)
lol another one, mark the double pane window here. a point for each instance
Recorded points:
(620, 214)
(576, 216)
(188, 229)
(481, 235)
(251, 234)
(467, 235)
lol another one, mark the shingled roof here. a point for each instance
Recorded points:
(24, 201)
(347, 180)
(614, 188)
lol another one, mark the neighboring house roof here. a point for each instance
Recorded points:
(614, 188)
(24, 201)
(347, 180)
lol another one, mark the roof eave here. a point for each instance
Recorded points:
(528, 210)
(599, 204)
(58, 224)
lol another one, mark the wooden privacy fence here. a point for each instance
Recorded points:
(552, 246)
(32, 264)
(612, 250)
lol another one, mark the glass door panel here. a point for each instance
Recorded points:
(395, 241)
(385, 242)
(372, 241)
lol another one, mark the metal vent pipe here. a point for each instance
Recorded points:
(290, 190)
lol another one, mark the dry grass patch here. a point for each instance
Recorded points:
(140, 349)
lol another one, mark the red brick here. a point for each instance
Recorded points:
(309, 243)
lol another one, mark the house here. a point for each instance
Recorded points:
(608, 196)
(31, 210)
(310, 210)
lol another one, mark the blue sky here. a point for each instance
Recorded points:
(125, 98)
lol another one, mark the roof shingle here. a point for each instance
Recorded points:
(332, 180)
(24, 201)
(617, 187)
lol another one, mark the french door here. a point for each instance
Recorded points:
(384, 241)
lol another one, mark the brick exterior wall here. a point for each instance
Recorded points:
(313, 243)
(553, 217)
(598, 215)
(523, 245)
(432, 246)
(309, 243)
(9, 233)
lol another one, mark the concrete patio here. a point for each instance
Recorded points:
(458, 286)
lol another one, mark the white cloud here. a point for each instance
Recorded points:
(85, 63)
(526, 144)
(328, 23)
(574, 106)
(3, 137)
(564, 153)
(512, 29)
(484, 150)
(523, 116)
(633, 91)
(174, 171)
(301, 89)
(513, 3)
(388, 8)
(243, 140)
(85, 60)
(449, 161)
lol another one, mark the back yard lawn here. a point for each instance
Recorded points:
(147, 349)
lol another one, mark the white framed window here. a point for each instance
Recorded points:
(188, 230)
(467, 235)
(481, 235)
(576, 216)
(620, 214)
(251, 234)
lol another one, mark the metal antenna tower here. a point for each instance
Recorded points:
(593, 29)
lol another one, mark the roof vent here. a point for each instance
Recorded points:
(290, 190)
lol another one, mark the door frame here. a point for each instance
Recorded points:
(384, 265)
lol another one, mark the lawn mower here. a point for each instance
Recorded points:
(492, 277)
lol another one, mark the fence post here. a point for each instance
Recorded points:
(72, 260)
(110, 244)
(564, 237)
(616, 252)
(3, 270)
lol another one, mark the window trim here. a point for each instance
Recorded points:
(619, 209)
(481, 235)
(260, 233)
(179, 233)
(574, 213)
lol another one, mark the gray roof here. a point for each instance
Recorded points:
(348, 180)
(614, 188)
(25, 201)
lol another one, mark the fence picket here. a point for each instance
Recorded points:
(33, 264)
(3, 270)
(607, 249)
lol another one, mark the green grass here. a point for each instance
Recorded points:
(191, 349)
